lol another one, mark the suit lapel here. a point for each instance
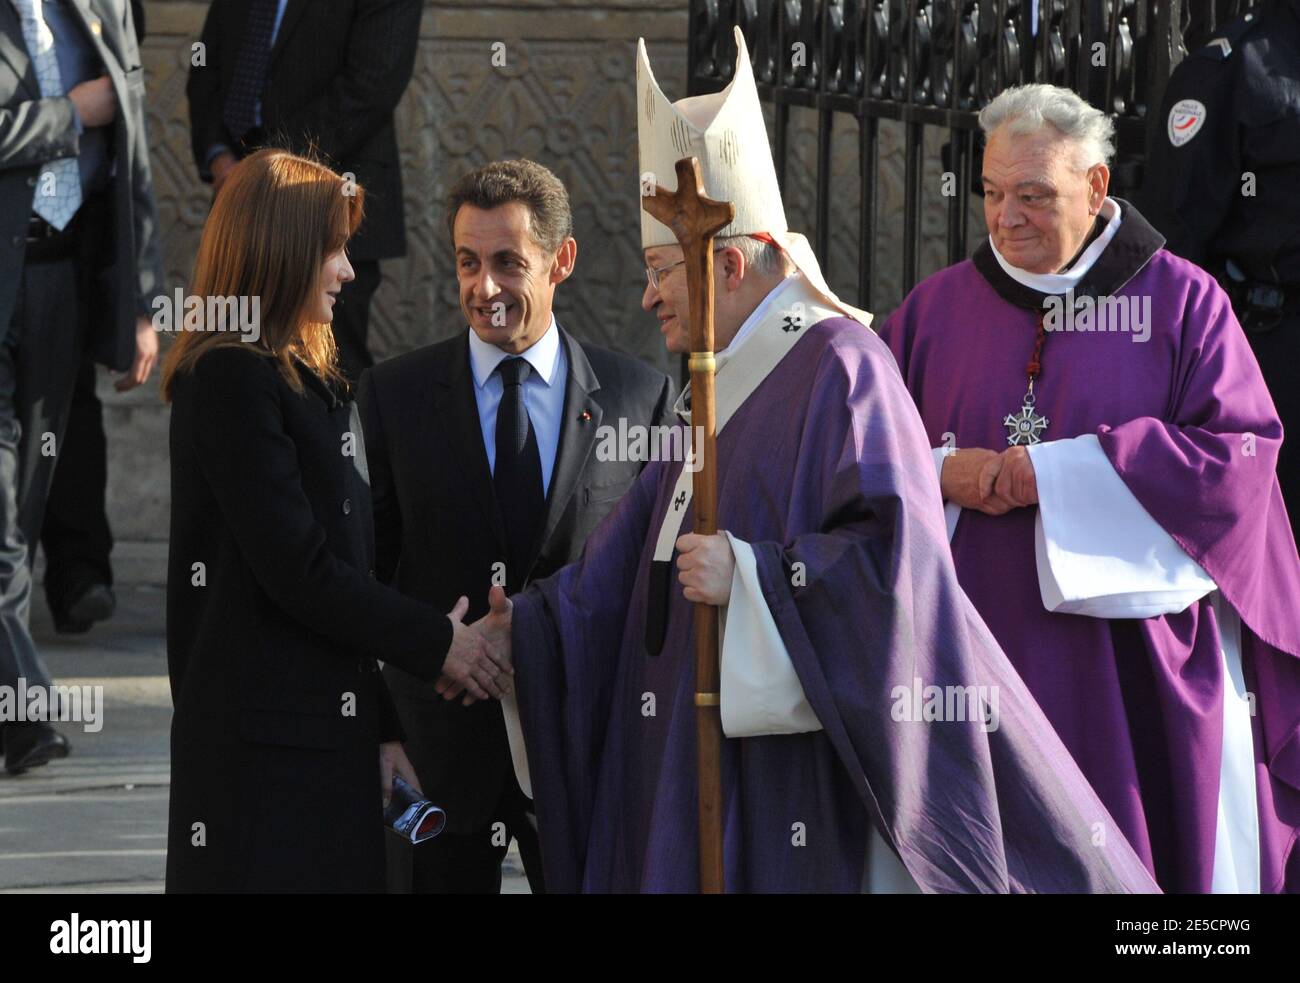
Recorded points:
(362, 466)
(292, 12)
(13, 46)
(457, 414)
(582, 416)
(93, 28)
(314, 382)
(97, 31)
(13, 49)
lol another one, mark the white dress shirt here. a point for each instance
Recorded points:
(543, 393)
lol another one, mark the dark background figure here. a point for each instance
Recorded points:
(1200, 19)
(1224, 187)
(456, 509)
(78, 273)
(76, 537)
(321, 78)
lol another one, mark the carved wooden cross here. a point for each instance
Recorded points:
(695, 220)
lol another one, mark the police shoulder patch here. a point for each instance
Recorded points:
(1186, 117)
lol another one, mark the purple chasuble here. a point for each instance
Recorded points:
(1187, 423)
(826, 472)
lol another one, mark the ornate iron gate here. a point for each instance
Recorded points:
(934, 63)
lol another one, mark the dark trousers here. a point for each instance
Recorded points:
(352, 319)
(76, 537)
(1278, 354)
(470, 863)
(39, 359)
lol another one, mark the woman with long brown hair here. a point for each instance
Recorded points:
(284, 738)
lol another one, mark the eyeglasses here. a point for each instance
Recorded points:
(652, 274)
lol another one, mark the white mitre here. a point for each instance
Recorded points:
(725, 130)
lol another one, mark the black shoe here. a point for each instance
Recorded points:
(95, 602)
(30, 745)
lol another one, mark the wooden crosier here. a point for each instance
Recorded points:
(695, 220)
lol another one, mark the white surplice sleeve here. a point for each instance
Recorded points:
(515, 737)
(951, 510)
(1099, 552)
(760, 692)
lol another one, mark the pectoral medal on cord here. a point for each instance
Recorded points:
(1027, 426)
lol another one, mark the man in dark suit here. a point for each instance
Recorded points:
(323, 76)
(75, 537)
(482, 471)
(79, 270)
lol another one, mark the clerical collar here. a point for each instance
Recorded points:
(542, 355)
(1058, 283)
(758, 314)
(1099, 225)
(683, 405)
(1115, 257)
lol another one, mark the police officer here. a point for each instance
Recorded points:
(1223, 185)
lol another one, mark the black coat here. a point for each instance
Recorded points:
(439, 529)
(274, 623)
(338, 69)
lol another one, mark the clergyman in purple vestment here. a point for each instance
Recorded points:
(824, 470)
(1129, 550)
(862, 697)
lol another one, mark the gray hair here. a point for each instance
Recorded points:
(761, 258)
(1026, 109)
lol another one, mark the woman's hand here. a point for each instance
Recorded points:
(393, 761)
(473, 662)
(494, 628)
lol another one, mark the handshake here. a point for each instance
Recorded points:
(478, 662)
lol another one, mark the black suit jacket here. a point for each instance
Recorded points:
(338, 69)
(125, 271)
(274, 623)
(439, 530)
